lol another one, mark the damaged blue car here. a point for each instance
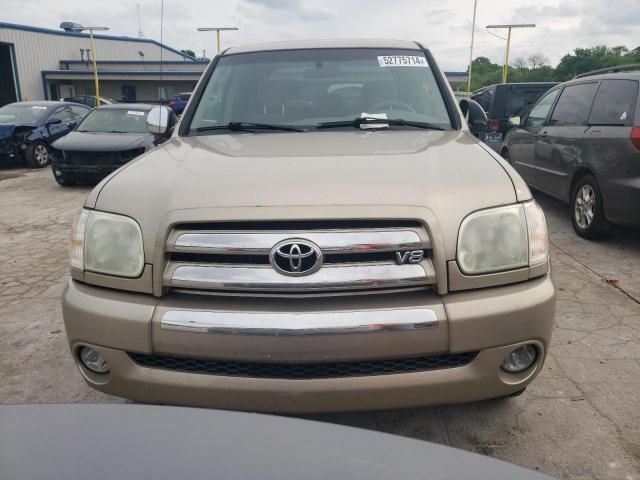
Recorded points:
(27, 129)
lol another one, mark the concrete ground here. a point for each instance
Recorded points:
(580, 419)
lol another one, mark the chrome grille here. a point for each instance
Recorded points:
(230, 257)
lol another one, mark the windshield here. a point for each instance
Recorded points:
(115, 121)
(22, 114)
(308, 87)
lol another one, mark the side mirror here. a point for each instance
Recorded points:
(158, 120)
(475, 116)
(514, 121)
(53, 121)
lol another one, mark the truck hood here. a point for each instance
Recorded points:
(439, 177)
(101, 142)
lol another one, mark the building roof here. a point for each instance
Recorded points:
(337, 43)
(28, 28)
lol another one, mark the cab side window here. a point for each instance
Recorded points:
(574, 105)
(615, 103)
(539, 113)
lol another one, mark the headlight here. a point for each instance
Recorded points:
(503, 238)
(107, 243)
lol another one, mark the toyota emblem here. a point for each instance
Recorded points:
(296, 257)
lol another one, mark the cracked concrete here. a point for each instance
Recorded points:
(580, 419)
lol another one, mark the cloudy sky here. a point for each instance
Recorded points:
(443, 25)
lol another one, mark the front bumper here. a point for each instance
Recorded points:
(490, 321)
(82, 171)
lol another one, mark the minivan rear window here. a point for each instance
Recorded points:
(615, 103)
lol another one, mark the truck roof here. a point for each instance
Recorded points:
(334, 43)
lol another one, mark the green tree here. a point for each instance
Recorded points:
(191, 53)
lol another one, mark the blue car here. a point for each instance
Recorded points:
(179, 102)
(27, 129)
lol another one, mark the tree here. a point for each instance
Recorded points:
(519, 63)
(537, 60)
(191, 53)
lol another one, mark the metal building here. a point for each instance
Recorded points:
(39, 63)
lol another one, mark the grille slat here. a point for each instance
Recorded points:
(304, 371)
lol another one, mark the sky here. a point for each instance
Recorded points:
(442, 25)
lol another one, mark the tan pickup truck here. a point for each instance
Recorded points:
(323, 231)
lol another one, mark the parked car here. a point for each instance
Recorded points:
(581, 144)
(504, 100)
(27, 129)
(179, 102)
(107, 138)
(285, 251)
(89, 100)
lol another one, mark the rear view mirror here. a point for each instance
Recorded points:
(475, 116)
(53, 121)
(158, 120)
(514, 121)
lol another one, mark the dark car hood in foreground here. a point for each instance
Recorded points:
(100, 142)
(97, 442)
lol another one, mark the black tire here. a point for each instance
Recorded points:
(37, 155)
(506, 155)
(64, 182)
(587, 209)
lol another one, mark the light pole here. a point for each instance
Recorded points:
(505, 67)
(74, 27)
(473, 31)
(217, 30)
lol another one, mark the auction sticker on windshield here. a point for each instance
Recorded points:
(402, 61)
(135, 112)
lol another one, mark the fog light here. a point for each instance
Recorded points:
(93, 360)
(520, 359)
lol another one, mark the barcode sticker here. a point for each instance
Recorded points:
(403, 61)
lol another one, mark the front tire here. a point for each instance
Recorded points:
(37, 155)
(64, 182)
(587, 209)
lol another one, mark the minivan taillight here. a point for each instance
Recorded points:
(494, 125)
(635, 137)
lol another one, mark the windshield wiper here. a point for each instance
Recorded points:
(358, 122)
(249, 127)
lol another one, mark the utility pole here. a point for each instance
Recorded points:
(74, 27)
(505, 67)
(140, 34)
(217, 30)
(473, 32)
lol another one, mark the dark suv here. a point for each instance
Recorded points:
(503, 101)
(581, 144)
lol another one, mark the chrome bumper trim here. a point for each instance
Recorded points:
(257, 243)
(329, 277)
(320, 323)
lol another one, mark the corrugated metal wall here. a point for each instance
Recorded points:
(38, 51)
